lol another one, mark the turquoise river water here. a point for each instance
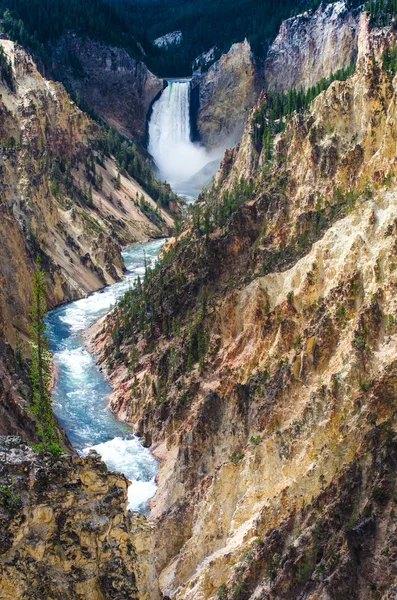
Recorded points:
(81, 391)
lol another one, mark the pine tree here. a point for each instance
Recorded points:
(40, 370)
(116, 338)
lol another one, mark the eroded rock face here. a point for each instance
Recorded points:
(115, 86)
(15, 418)
(310, 47)
(65, 532)
(276, 477)
(79, 243)
(227, 93)
(307, 48)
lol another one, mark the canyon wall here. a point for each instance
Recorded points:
(266, 381)
(118, 88)
(310, 47)
(65, 529)
(79, 237)
(261, 369)
(307, 48)
(227, 93)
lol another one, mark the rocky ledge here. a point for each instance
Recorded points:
(65, 530)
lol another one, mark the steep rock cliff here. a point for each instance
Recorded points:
(65, 532)
(227, 93)
(307, 48)
(310, 47)
(115, 86)
(270, 392)
(79, 242)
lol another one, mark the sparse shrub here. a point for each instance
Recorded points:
(364, 385)
(10, 498)
(236, 457)
(255, 440)
(298, 342)
(341, 312)
(222, 592)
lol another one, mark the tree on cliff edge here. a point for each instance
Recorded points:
(40, 370)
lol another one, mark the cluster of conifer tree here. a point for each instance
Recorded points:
(278, 107)
(383, 12)
(40, 370)
(133, 24)
(214, 209)
(130, 160)
(144, 311)
(33, 23)
(389, 58)
(6, 70)
(209, 23)
(58, 169)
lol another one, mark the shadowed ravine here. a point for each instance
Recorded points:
(81, 391)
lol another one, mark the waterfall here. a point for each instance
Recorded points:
(176, 156)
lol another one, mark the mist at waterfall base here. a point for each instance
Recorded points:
(185, 165)
(81, 391)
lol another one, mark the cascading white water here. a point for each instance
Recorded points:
(176, 156)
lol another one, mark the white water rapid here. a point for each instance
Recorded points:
(81, 392)
(186, 165)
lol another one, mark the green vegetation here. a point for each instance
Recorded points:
(236, 457)
(40, 371)
(108, 143)
(6, 70)
(10, 498)
(222, 592)
(91, 223)
(207, 24)
(255, 440)
(154, 215)
(383, 12)
(213, 210)
(278, 107)
(34, 23)
(389, 59)
(131, 161)
(134, 24)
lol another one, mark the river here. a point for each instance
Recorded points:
(81, 392)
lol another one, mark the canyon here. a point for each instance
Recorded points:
(256, 358)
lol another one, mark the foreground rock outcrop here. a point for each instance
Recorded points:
(265, 377)
(65, 532)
